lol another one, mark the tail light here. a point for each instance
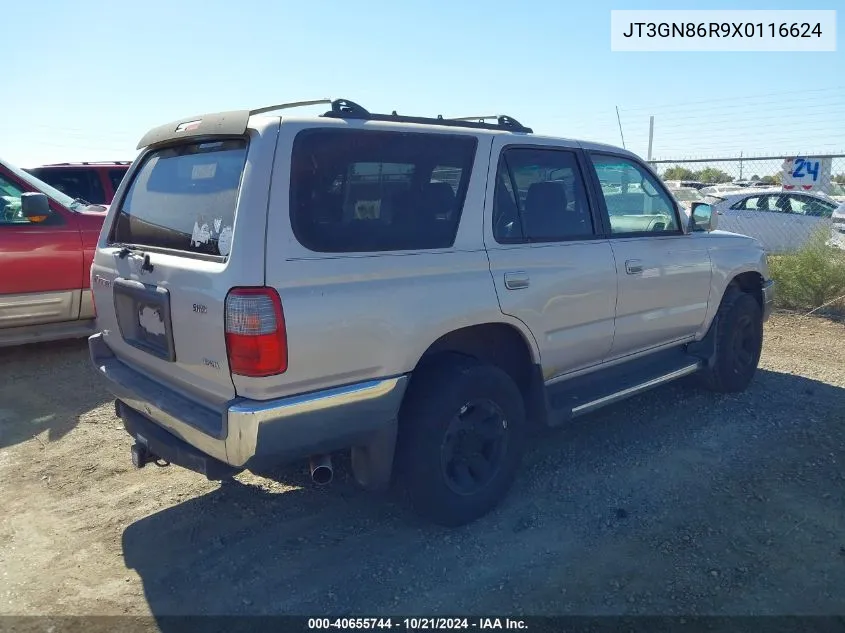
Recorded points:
(256, 341)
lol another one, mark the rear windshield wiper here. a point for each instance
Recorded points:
(126, 249)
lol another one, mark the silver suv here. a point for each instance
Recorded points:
(422, 291)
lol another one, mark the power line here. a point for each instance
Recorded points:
(808, 136)
(745, 102)
(761, 115)
(734, 98)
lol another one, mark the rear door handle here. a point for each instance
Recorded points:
(516, 280)
(633, 266)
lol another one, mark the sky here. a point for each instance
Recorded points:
(85, 79)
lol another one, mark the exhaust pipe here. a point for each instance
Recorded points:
(321, 469)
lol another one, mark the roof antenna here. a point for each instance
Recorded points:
(620, 128)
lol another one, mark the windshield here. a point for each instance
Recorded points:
(63, 199)
(184, 198)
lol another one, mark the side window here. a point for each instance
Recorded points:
(115, 176)
(748, 204)
(10, 203)
(764, 203)
(816, 208)
(76, 183)
(784, 203)
(635, 201)
(540, 197)
(369, 191)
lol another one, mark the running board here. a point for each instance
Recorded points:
(609, 399)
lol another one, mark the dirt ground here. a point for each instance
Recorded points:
(676, 502)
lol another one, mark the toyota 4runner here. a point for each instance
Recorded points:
(422, 291)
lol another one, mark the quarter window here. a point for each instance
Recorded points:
(370, 191)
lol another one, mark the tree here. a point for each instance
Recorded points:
(755, 177)
(679, 173)
(840, 178)
(771, 180)
(711, 174)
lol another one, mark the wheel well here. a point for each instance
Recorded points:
(501, 345)
(751, 283)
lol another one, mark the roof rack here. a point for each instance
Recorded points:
(292, 104)
(345, 109)
(236, 122)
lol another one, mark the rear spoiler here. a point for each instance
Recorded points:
(221, 124)
(231, 123)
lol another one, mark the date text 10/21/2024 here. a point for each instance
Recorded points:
(416, 624)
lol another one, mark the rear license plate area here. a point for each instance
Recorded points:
(143, 316)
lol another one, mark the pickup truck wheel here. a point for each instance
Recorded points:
(739, 341)
(460, 440)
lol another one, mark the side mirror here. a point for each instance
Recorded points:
(703, 217)
(35, 206)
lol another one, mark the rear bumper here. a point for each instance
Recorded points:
(167, 446)
(248, 433)
(768, 298)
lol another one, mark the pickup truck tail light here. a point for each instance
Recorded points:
(256, 340)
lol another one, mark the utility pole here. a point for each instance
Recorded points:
(740, 165)
(620, 128)
(650, 135)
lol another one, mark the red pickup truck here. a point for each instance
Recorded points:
(47, 242)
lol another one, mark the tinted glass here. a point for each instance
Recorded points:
(115, 176)
(363, 191)
(813, 207)
(184, 198)
(635, 202)
(754, 203)
(540, 197)
(76, 183)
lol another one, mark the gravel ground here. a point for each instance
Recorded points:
(676, 502)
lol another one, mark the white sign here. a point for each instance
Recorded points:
(722, 30)
(805, 173)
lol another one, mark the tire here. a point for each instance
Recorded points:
(461, 434)
(739, 341)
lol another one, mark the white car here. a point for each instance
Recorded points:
(687, 195)
(782, 221)
(837, 229)
(723, 190)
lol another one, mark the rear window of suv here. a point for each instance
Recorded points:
(183, 198)
(366, 191)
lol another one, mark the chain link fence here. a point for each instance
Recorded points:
(791, 204)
